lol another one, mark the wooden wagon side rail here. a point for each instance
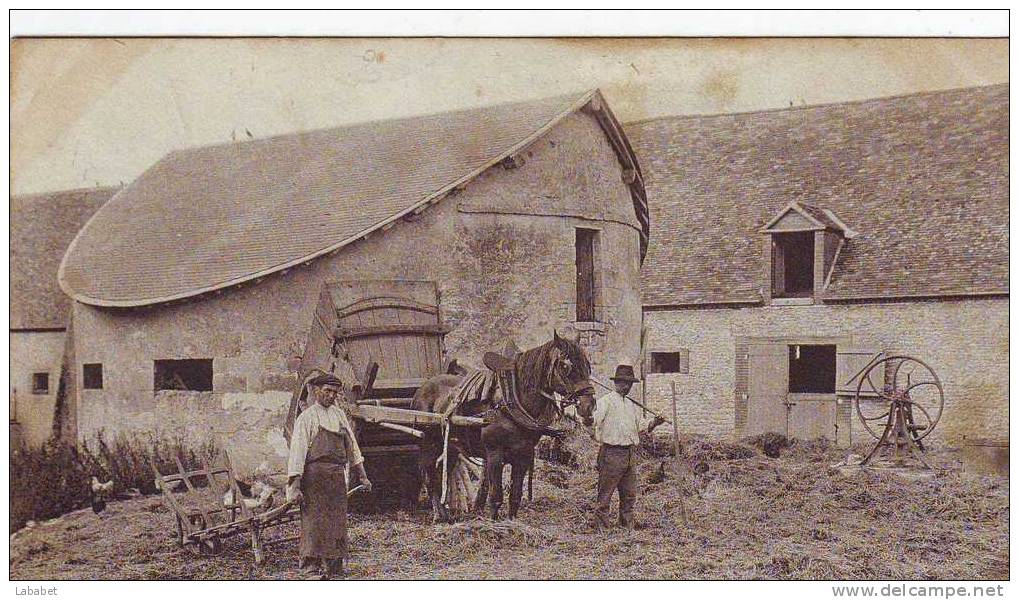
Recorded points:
(404, 416)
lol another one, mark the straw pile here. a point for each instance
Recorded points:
(749, 516)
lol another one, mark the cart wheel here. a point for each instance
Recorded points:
(908, 379)
(180, 532)
(464, 485)
(210, 546)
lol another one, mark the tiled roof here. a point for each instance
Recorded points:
(206, 218)
(921, 179)
(42, 225)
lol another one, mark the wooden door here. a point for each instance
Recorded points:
(811, 416)
(393, 323)
(767, 388)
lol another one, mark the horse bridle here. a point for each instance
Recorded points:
(569, 399)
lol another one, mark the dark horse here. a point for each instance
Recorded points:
(531, 379)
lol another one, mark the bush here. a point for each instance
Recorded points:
(127, 458)
(46, 482)
(55, 479)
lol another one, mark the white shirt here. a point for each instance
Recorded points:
(618, 421)
(305, 428)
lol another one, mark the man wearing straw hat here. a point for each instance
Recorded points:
(617, 426)
(320, 447)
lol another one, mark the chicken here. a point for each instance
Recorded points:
(261, 496)
(101, 488)
(99, 493)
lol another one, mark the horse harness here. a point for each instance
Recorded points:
(509, 404)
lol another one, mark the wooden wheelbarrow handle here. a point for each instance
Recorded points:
(286, 506)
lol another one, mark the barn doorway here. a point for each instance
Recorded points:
(791, 386)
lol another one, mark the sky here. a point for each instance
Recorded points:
(87, 112)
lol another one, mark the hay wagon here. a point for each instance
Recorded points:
(387, 338)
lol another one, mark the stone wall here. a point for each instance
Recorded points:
(507, 272)
(965, 341)
(35, 352)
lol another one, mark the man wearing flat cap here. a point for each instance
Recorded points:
(617, 426)
(321, 445)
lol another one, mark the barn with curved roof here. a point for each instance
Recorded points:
(196, 285)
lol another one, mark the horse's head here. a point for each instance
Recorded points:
(570, 375)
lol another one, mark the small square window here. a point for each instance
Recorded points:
(194, 374)
(40, 383)
(671, 362)
(812, 369)
(92, 376)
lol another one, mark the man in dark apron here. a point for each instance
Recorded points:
(321, 446)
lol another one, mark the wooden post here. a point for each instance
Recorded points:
(675, 424)
(676, 448)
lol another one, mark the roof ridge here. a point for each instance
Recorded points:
(290, 134)
(859, 101)
(97, 188)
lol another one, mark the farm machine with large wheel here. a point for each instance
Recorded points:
(900, 409)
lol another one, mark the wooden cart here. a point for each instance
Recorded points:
(204, 519)
(386, 337)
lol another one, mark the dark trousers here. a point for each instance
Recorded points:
(617, 470)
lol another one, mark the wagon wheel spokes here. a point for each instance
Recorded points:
(181, 538)
(882, 417)
(915, 381)
(873, 402)
(925, 403)
(465, 483)
(870, 384)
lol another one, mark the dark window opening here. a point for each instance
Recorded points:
(194, 374)
(586, 286)
(793, 265)
(92, 376)
(811, 369)
(40, 383)
(671, 362)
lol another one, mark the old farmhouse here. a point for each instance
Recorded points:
(792, 246)
(789, 247)
(195, 286)
(41, 227)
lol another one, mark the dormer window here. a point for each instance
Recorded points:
(792, 265)
(802, 244)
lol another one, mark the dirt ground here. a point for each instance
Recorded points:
(748, 517)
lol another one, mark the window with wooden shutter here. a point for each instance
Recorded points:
(850, 366)
(586, 245)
